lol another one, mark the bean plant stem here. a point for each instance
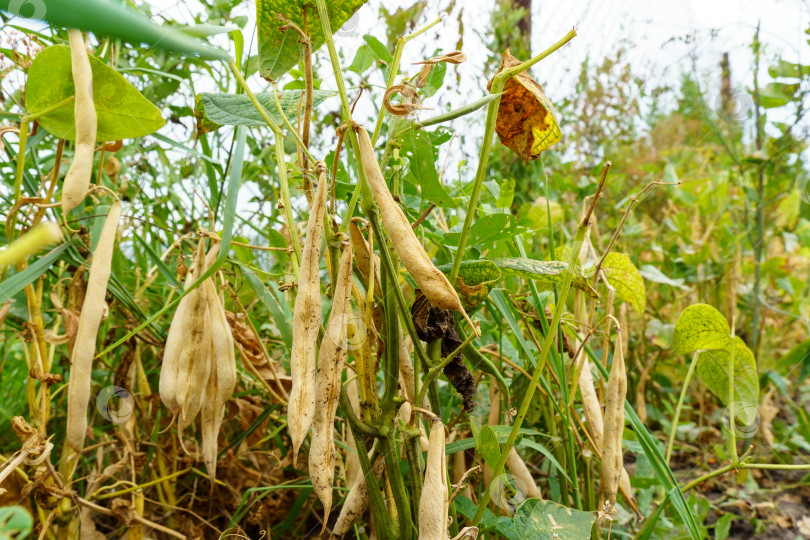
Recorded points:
(538, 369)
(675, 419)
(498, 83)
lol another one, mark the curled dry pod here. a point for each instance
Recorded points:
(222, 379)
(77, 179)
(431, 280)
(612, 461)
(195, 361)
(356, 502)
(306, 323)
(331, 360)
(84, 348)
(433, 504)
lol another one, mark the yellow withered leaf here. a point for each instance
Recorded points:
(527, 122)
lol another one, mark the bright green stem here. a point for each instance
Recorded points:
(538, 369)
(21, 159)
(498, 83)
(732, 405)
(437, 369)
(677, 416)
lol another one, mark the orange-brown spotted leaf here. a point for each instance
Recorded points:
(527, 123)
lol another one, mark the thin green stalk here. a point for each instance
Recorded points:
(681, 399)
(31, 116)
(437, 369)
(285, 199)
(20, 160)
(547, 345)
(498, 83)
(394, 68)
(732, 420)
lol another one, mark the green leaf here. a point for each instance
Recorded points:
(115, 20)
(420, 149)
(506, 194)
(543, 271)
(475, 280)
(539, 213)
(215, 110)
(788, 70)
(777, 94)
(15, 522)
(280, 50)
(798, 355)
(712, 368)
(546, 519)
(271, 302)
(123, 112)
(700, 327)
(625, 278)
(14, 284)
(488, 446)
(489, 228)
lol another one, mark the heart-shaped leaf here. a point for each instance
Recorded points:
(712, 368)
(123, 112)
(280, 50)
(700, 327)
(625, 278)
(215, 110)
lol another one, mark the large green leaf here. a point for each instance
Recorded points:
(546, 519)
(488, 446)
(281, 50)
(700, 327)
(112, 19)
(544, 271)
(123, 113)
(712, 368)
(625, 278)
(475, 280)
(215, 110)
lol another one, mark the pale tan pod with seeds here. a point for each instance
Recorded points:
(352, 461)
(521, 471)
(331, 361)
(612, 459)
(77, 179)
(306, 324)
(84, 348)
(173, 351)
(433, 283)
(222, 379)
(433, 504)
(362, 256)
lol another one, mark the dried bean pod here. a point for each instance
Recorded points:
(433, 504)
(77, 179)
(306, 323)
(612, 459)
(84, 348)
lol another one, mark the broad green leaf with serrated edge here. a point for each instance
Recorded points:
(545, 271)
(123, 112)
(546, 519)
(625, 278)
(215, 110)
(475, 280)
(712, 368)
(488, 446)
(700, 327)
(281, 50)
